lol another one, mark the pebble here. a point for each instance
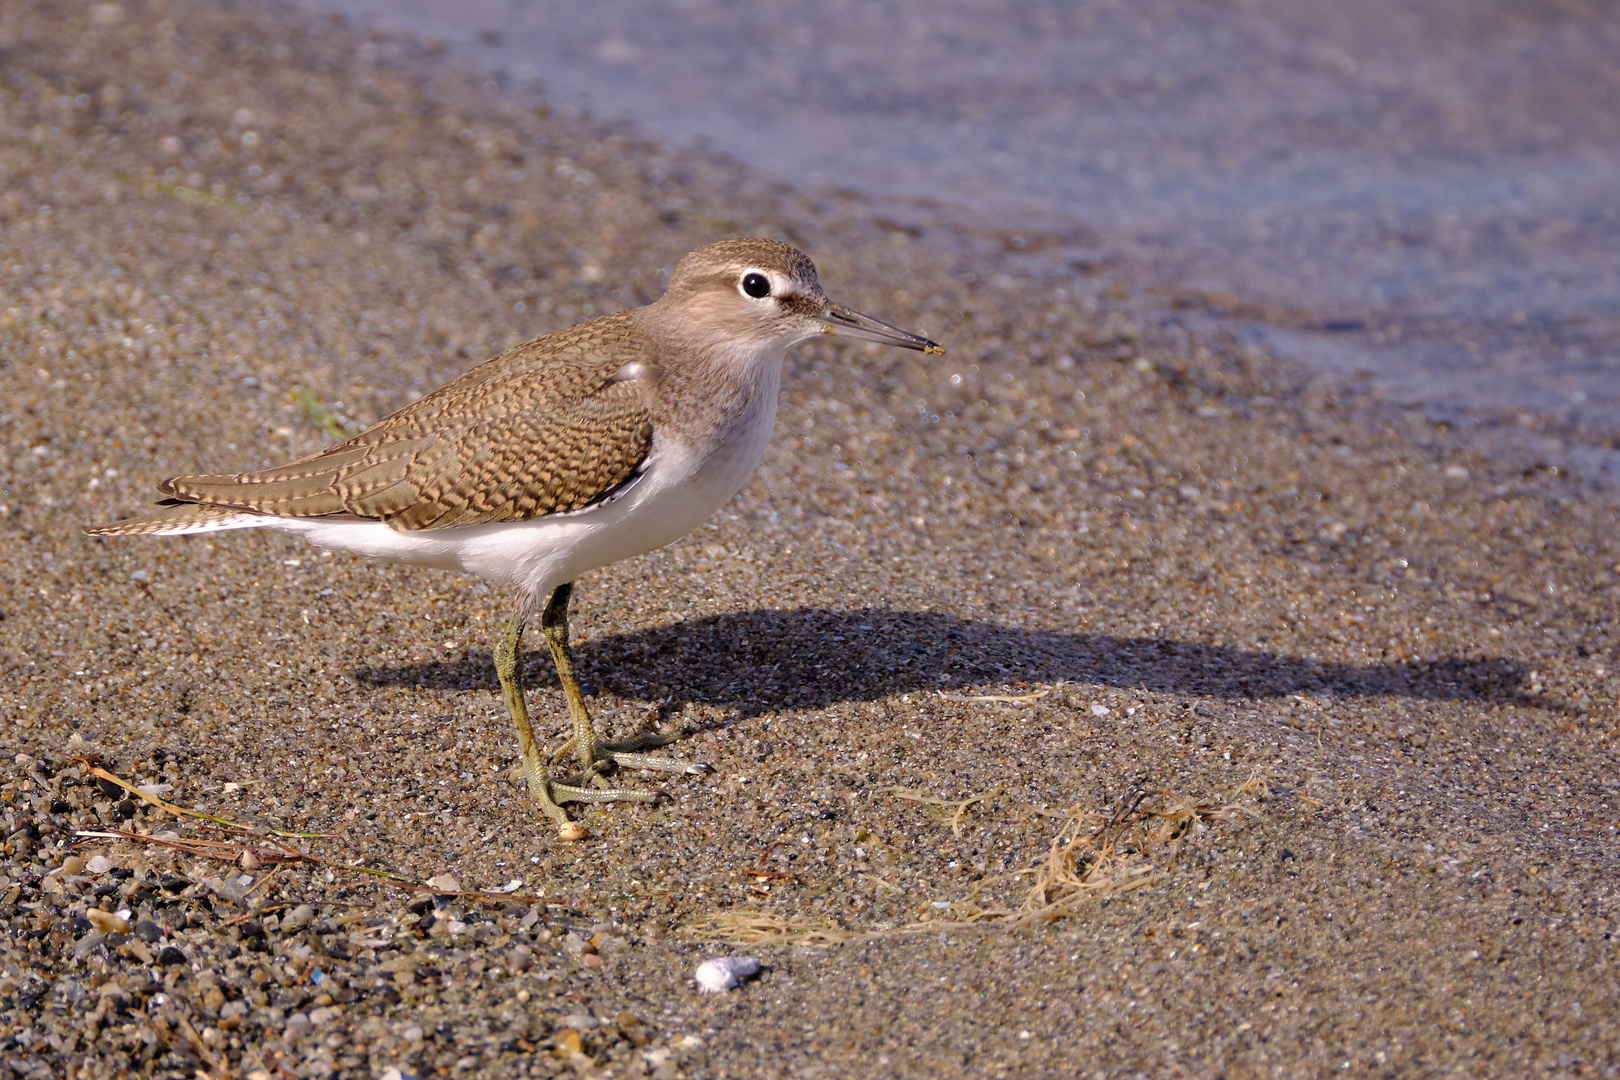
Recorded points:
(725, 973)
(106, 922)
(300, 916)
(298, 1026)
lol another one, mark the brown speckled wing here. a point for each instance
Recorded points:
(538, 430)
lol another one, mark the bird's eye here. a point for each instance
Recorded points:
(756, 285)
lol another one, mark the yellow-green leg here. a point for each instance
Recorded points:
(595, 755)
(507, 662)
(592, 752)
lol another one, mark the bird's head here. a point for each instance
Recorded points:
(759, 297)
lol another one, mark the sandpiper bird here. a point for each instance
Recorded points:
(593, 444)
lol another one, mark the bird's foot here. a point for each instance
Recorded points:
(573, 789)
(626, 754)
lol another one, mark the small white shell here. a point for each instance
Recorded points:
(722, 974)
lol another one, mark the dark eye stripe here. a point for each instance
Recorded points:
(801, 305)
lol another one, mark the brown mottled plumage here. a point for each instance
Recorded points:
(543, 428)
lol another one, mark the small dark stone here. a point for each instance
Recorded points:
(78, 924)
(252, 928)
(170, 956)
(634, 1029)
(105, 890)
(125, 810)
(425, 923)
(115, 940)
(121, 873)
(60, 806)
(420, 906)
(148, 931)
(174, 883)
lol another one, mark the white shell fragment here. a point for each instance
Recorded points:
(722, 974)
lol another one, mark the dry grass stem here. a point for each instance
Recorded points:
(958, 807)
(1094, 855)
(232, 851)
(225, 850)
(765, 928)
(1006, 699)
(181, 811)
(1097, 852)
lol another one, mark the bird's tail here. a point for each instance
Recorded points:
(176, 518)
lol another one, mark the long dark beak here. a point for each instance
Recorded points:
(838, 319)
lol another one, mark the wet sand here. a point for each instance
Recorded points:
(1314, 696)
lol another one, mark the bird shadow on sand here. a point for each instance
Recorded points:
(758, 662)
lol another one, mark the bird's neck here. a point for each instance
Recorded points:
(706, 387)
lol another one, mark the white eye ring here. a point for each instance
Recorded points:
(755, 285)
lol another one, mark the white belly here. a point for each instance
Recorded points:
(677, 493)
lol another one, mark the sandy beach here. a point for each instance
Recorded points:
(1103, 698)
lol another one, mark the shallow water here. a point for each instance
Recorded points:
(1426, 193)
